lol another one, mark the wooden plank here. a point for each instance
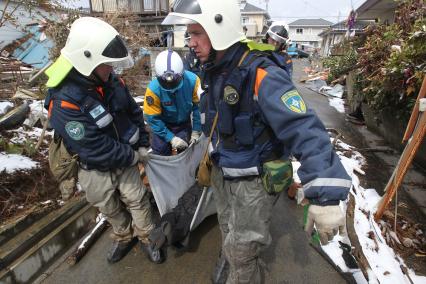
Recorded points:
(404, 162)
(415, 113)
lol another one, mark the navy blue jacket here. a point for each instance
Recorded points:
(278, 107)
(103, 125)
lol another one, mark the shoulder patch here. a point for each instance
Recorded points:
(294, 102)
(149, 100)
(75, 130)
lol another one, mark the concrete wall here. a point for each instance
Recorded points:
(384, 123)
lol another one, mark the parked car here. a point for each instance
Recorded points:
(298, 50)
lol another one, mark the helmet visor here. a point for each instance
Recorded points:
(187, 7)
(121, 63)
(278, 34)
(182, 11)
(116, 48)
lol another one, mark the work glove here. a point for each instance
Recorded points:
(194, 136)
(143, 155)
(178, 143)
(328, 220)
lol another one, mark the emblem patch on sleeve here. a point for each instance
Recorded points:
(75, 130)
(149, 100)
(294, 102)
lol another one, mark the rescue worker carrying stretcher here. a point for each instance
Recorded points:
(92, 111)
(258, 117)
(170, 99)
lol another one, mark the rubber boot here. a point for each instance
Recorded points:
(154, 254)
(119, 249)
(221, 271)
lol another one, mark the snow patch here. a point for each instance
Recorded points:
(13, 162)
(5, 107)
(338, 104)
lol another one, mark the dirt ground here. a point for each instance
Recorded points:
(26, 191)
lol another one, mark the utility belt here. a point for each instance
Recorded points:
(87, 167)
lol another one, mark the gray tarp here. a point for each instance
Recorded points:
(171, 176)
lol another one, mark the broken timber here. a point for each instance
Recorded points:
(416, 130)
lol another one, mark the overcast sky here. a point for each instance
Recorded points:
(289, 11)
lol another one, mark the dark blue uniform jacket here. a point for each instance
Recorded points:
(103, 125)
(277, 109)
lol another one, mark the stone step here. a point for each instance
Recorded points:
(25, 256)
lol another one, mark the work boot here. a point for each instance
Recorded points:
(221, 271)
(119, 249)
(154, 254)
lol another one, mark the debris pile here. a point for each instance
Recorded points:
(13, 73)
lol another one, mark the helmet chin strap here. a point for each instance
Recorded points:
(210, 59)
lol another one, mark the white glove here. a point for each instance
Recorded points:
(178, 143)
(194, 136)
(328, 221)
(143, 154)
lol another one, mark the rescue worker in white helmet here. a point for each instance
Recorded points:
(93, 113)
(170, 99)
(277, 35)
(258, 119)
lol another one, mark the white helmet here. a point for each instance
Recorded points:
(92, 42)
(221, 19)
(169, 69)
(279, 33)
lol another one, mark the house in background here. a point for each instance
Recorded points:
(306, 31)
(370, 12)
(155, 8)
(381, 11)
(254, 20)
(151, 13)
(336, 33)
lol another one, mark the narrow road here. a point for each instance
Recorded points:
(290, 259)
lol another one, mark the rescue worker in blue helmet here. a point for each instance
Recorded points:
(257, 117)
(277, 35)
(92, 110)
(170, 99)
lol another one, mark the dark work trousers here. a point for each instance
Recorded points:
(161, 147)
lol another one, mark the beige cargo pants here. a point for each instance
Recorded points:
(122, 198)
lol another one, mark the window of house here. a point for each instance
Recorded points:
(245, 20)
(299, 31)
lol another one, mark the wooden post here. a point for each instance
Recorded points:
(88, 242)
(415, 113)
(403, 164)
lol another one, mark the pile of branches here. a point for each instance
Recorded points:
(388, 60)
(391, 61)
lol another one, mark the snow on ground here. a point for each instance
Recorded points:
(22, 135)
(14, 162)
(337, 103)
(5, 107)
(385, 264)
